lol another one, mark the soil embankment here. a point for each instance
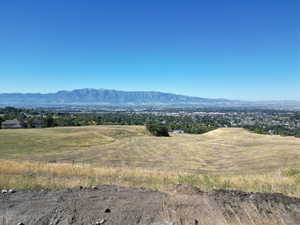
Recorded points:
(113, 205)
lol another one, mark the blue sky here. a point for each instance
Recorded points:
(212, 48)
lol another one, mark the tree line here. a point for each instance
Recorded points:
(53, 119)
(186, 123)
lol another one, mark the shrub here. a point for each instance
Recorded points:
(157, 129)
(291, 172)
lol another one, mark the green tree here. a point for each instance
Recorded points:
(157, 129)
(49, 121)
(1, 120)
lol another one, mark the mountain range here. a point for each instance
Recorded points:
(89, 96)
(103, 96)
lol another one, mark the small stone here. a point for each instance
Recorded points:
(94, 187)
(107, 210)
(4, 191)
(21, 224)
(11, 191)
(100, 222)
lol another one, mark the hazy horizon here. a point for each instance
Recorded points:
(263, 100)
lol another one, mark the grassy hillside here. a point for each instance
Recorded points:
(228, 158)
(226, 150)
(59, 143)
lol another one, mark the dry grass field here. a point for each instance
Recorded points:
(228, 158)
(225, 151)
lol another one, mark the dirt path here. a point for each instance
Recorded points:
(113, 205)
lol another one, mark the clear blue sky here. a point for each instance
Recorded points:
(235, 49)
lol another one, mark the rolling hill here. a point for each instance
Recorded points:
(222, 151)
(227, 158)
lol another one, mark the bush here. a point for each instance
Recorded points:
(157, 129)
(291, 172)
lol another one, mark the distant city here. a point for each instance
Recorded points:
(187, 119)
(106, 98)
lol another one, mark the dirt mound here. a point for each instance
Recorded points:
(104, 204)
(112, 205)
(231, 207)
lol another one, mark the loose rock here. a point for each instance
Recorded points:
(100, 222)
(11, 191)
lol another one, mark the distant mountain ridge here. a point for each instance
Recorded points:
(109, 97)
(103, 96)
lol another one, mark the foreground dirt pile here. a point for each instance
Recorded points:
(113, 205)
(186, 205)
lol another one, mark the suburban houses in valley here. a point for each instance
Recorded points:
(14, 124)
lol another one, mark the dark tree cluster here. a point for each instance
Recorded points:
(157, 129)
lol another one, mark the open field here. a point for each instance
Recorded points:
(222, 151)
(228, 158)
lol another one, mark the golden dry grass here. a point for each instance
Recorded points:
(222, 151)
(59, 141)
(229, 158)
(32, 175)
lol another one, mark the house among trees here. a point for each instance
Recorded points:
(13, 124)
(178, 131)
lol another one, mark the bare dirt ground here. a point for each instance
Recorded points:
(113, 205)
